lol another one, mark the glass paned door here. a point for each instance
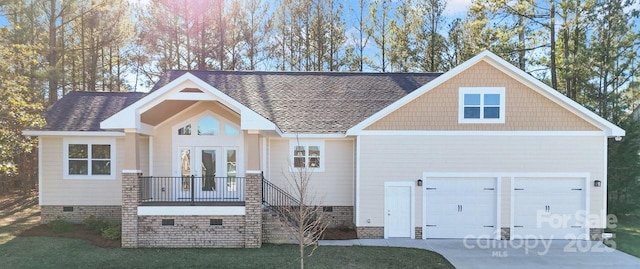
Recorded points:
(183, 182)
(232, 183)
(209, 165)
(214, 170)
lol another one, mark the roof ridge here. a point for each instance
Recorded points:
(304, 72)
(101, 92)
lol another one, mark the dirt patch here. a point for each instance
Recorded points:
(339, 234)
(17, 200)
(18, 212)
(78, 231)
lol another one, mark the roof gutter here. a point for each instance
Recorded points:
(72, 133)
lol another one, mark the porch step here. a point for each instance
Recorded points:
(276, 229)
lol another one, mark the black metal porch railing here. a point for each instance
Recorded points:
(191, 190)
(278, 199)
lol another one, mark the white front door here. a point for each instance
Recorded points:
(206, 173)
(397, 211)
(459, 207)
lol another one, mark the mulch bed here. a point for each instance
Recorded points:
(339, 234)
(78, 231)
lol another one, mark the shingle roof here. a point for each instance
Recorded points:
(83, 111)
(311, 102)
(297, 102)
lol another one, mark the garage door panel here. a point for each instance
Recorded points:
(460, 207)
(548, 208)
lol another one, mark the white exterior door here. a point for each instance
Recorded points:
(398, 210)
(549, 208)
(214, 170)
(459, 207)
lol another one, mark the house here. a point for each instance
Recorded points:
(482, 151)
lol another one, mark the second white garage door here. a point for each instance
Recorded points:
(549, 208)
(459, 207)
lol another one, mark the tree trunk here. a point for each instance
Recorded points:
(567, 68)
(552, 30)
(221, 33)
(53, 54)
(83, 67)
(521, 43)
(360, 42)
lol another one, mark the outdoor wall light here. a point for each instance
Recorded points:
(597, 183)
(419, 182)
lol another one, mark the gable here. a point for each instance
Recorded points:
(525, 109)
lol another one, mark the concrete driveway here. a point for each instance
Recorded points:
(493, 254)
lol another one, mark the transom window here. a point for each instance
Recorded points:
(208, 126)
(89, 159)
(481, 105)
(308, 155)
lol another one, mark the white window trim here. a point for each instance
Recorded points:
(306, 143)
(88, 141)
(481, 90)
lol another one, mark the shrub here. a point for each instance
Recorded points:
(111, 232)
(96, 224)
(60, 226)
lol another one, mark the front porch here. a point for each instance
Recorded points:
(191, 211)
(192, 169)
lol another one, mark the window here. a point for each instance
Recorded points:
(230, 130)
(307, 155)
(89, 158)
(481, 105)
(186, 130)
(208, 126)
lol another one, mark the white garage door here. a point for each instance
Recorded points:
(549, 208)
(460, 207)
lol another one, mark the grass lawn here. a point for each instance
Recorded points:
(627, 235)
(50, 252)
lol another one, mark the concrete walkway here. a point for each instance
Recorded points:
(510, 254)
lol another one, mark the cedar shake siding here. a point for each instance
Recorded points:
(526, 110)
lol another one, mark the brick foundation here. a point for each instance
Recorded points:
(276, 229)
(79, 213)
(370, 232)
(418, 233)
(191, 232)
(339, 216)
(505, 233)
(596, 233)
